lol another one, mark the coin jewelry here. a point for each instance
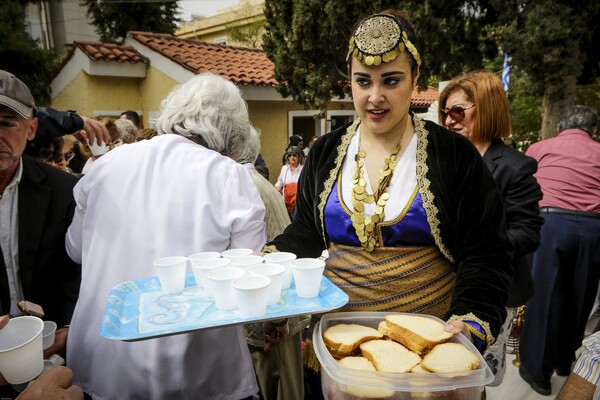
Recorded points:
(365, 226)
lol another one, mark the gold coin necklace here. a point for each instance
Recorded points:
(365, 226)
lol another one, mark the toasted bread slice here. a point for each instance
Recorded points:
(389, 356)
(364, 392)
(419, 334)
(343, 340)
(450, 357)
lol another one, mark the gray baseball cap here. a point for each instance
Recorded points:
(15, 95)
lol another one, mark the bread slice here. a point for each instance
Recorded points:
(343, 340)
(450, 357)
(389, 356)
(361, 363)
(364, 392)
(418, 369)
(419, 334)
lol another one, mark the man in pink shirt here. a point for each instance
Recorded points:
(566, 266)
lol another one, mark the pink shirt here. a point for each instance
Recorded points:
(568, 171)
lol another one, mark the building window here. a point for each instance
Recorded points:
(339, 118)
(307, 123)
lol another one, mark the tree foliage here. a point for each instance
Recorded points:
(307, 41)
(21, 55)
(553, 42)
(114, 18)
(553, 45)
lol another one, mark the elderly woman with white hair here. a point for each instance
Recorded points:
(177, 194)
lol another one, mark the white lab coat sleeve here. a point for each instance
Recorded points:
(74, 236)
(246, 210)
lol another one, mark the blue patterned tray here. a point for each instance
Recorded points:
(138, 309)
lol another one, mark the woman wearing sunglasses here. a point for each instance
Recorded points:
(475, 106)
(287, 182)
(408, 212)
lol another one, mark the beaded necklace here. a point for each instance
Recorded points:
(365, 226)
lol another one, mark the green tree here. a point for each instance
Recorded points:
(307, 39)
(21, 55)
(114, 18)
(553, 44)
(556, 43)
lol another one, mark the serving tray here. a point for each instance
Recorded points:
(139, 309)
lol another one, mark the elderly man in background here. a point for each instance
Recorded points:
(36, 207)
(177, 194)
(566, 267)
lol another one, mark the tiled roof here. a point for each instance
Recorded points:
(424, 98)
(241, 65)
(109, 52)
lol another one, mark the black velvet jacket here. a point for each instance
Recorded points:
(463, 207)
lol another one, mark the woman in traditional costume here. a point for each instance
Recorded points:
(407, 210)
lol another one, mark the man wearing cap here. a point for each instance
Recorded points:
(36, 208)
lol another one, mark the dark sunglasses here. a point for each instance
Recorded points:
(68, 156)
(457, 113)
(293, 155)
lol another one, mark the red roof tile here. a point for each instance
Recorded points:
(425, 97)
(109, 52)
(241, 65)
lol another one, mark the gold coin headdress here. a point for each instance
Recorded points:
(379, 39)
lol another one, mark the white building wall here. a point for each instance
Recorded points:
(56, 24)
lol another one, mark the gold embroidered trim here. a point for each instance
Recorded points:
(485, 325)
(328, 184)
(399, 218)
(424, 186)
(270, 249)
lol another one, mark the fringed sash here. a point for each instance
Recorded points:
(415, 279)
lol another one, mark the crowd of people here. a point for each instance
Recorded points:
(411, 215)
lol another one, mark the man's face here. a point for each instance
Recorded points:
(15, 131)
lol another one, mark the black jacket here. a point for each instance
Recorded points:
(48, 276)
(513, 172)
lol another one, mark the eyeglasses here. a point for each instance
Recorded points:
(457, 113)
(68, 156)
(293, 155)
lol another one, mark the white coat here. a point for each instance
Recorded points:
(155, 198)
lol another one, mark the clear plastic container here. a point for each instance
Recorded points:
(340, 383)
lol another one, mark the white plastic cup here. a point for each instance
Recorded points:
(231, 253)
(283, 258)
(275, 273)
(307, 276)
(201, 259)
(48, 334)
(220, 283)
(171, 273)
(202, 268)
(21, 350)
(245, 262)
(97, 149)
(252, 295)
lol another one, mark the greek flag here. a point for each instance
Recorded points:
(506, 72)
